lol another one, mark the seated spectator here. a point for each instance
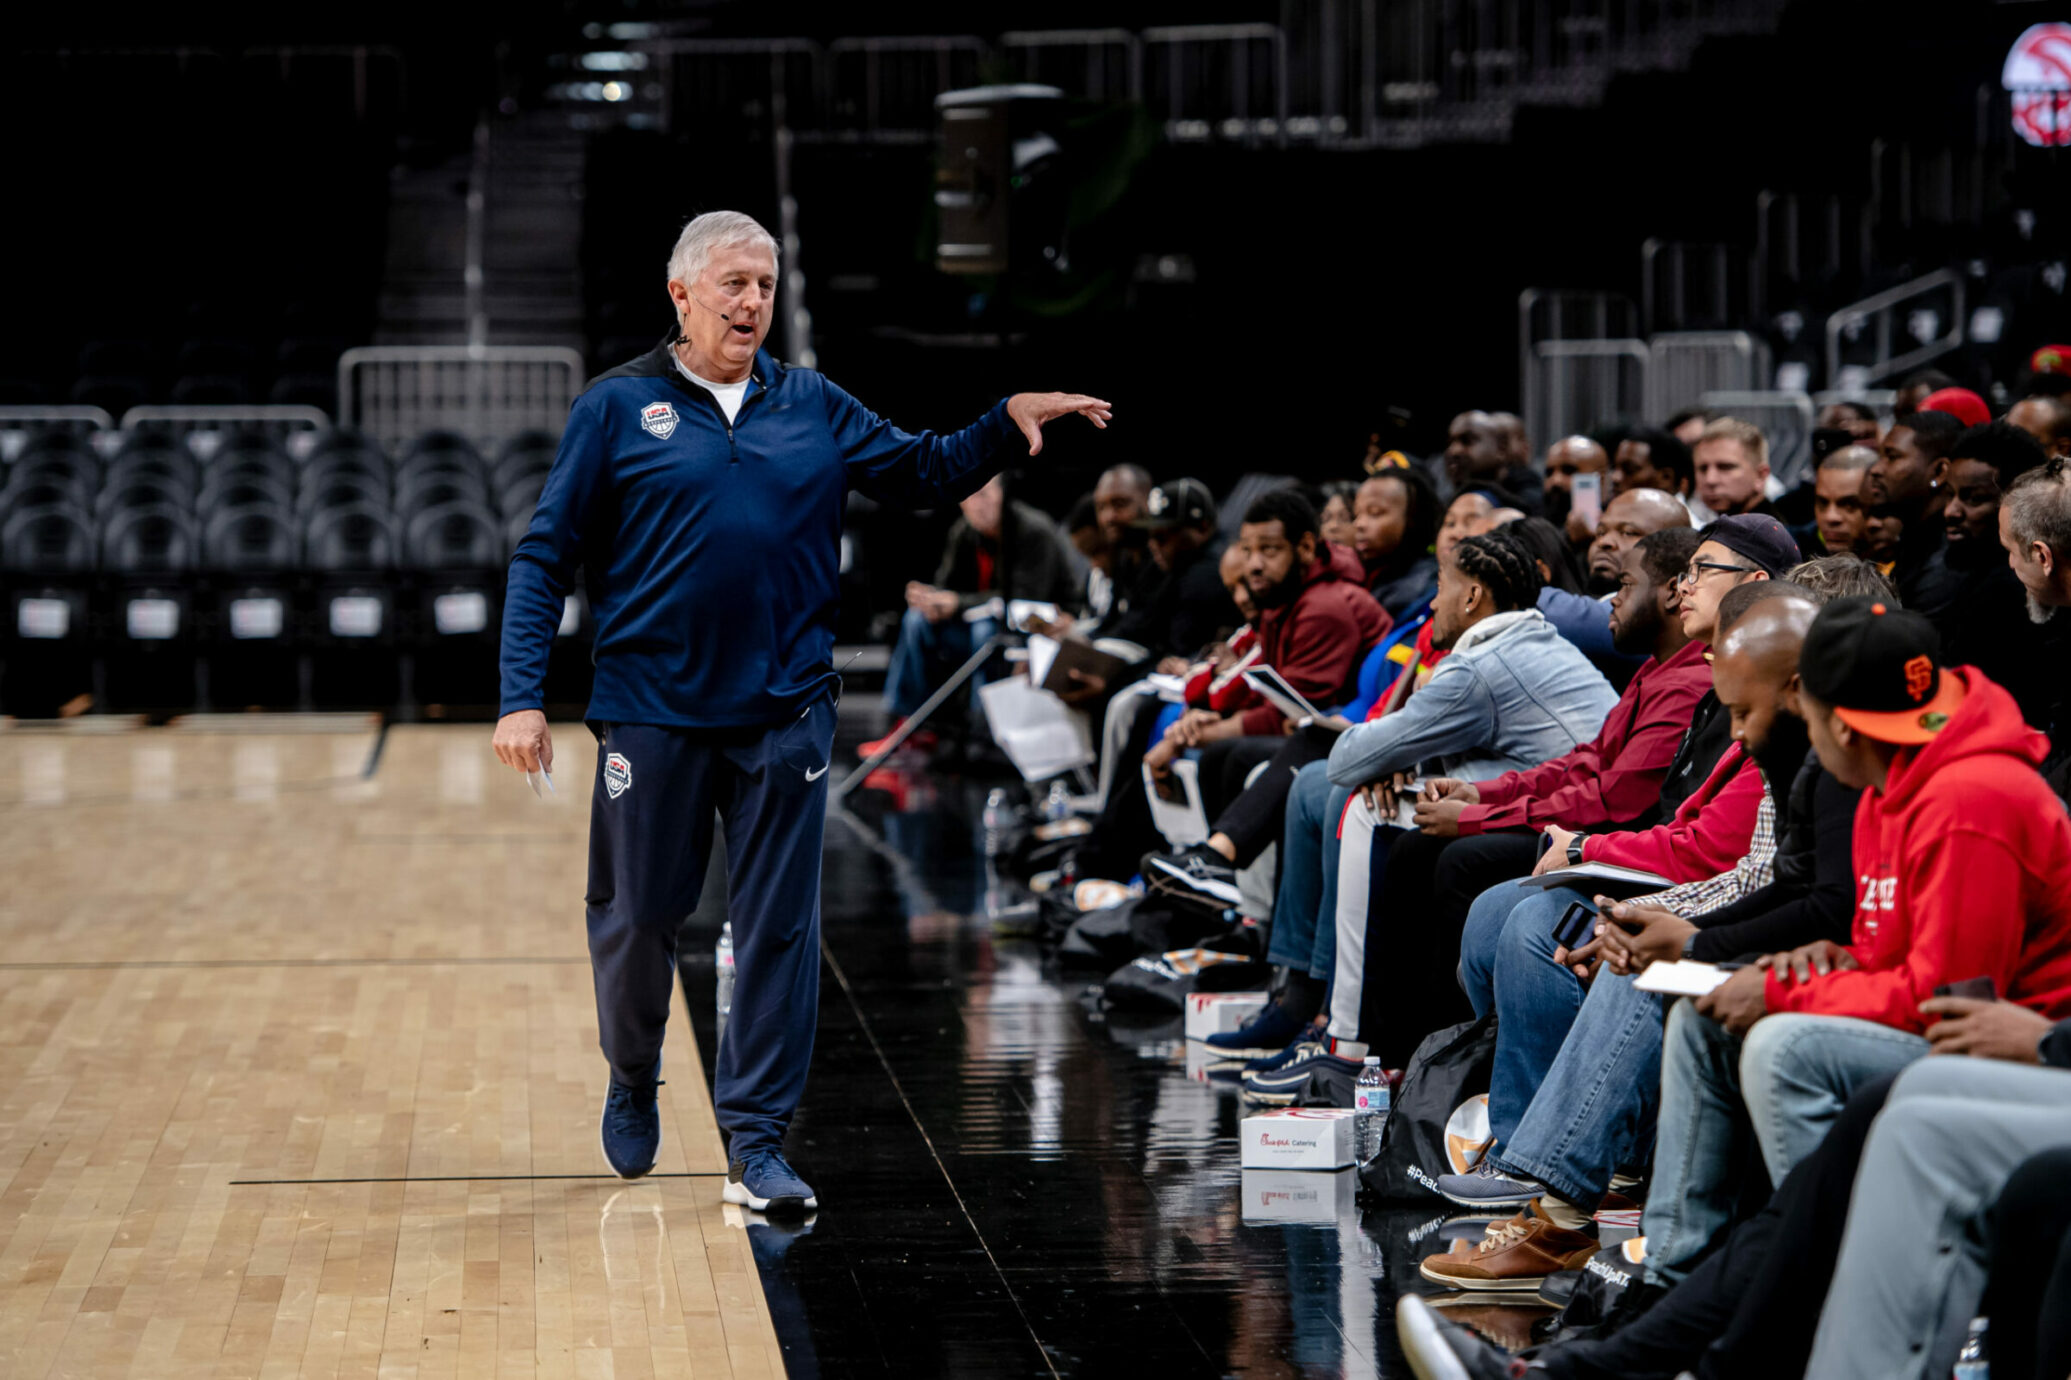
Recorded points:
(1333, 500)
(2047, 418)
(1963, 863)
(1753, 1307)
(1650, 459)
(1688, 425)
(1510, 693)
(1627, 518)
(2035, 529)
(1577, 616)
(1905, 492)
(1986, 621)
(1965, 406)
(1395, 519)
(1837, 501)
(1565, 459)
(1482, 451)
(1082, 528)
(1858, 419)
(1915, 390)
(945, 622)
(1577, 1067)
(1731, 462)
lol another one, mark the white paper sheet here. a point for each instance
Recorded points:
(1682, 978)
(1040, 734)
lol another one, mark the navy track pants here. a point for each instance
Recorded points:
(651, 816)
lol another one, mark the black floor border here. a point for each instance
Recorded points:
(472, 1178)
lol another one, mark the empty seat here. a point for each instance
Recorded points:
(454, 536)
(75, 472)
(155, 539)
(256, 537)
(244, 489)
(164, 463)
(415, 493)
(51, 540)
(340, 489)
(144, 491)
(244, 463)
(450, 445)
(352, 536)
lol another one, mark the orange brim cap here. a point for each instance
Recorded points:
(1918, 725)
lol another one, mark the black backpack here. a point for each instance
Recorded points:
(1449, 1071)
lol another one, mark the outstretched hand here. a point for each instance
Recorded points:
(1030, 410)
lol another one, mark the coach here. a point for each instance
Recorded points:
(700, 488)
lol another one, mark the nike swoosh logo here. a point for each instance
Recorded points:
(816, 775)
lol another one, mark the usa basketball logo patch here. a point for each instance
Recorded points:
(618, 774)
(659, 419)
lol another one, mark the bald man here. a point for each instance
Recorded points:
(1627, 518)
(2045, 418)
(1565, 459)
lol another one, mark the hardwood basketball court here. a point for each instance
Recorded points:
(298, 1074)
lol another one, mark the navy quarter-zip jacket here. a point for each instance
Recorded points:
(711, 552)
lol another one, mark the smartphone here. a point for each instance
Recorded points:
(1576, 926)
(1977, 989)
(1588, 501)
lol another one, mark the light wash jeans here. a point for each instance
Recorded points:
(1912, 1264)
(1727, 1104)
(1305, 905)
(926, 654)
(1506, 965)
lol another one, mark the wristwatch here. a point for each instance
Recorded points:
(1690, 945)
(1575, 850)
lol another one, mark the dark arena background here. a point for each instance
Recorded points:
(297, 1070)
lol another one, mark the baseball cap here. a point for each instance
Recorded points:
(2051, 359)
(1757, 537)
(1177, 503)
(1880, 668)
(1960, 403)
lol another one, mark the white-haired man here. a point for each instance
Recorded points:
(701, 490)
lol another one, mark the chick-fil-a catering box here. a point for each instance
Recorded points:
(1298, 1138)
(1296, 1195)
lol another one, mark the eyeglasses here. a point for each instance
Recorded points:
(1697, 570)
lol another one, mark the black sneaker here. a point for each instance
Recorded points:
(632, 1126)
(1199, 869)
(1440, 1350)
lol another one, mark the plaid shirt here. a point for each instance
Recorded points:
(1750, 874)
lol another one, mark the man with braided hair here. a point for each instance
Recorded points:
(1511, 693)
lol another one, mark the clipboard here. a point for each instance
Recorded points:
(1273, 688)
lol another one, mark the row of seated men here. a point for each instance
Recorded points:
(1843, 774)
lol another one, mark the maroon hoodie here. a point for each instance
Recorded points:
(1317, 641)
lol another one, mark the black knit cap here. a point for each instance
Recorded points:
(1758, 537)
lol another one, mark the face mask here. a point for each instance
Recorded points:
(1782, 752)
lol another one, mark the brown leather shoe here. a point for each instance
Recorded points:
(1516, 1256)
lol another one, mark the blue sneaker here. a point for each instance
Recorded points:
(1264, 1035)
(763, 1182)
(632, 1126)
(1306, 1042)
(1281, 1086)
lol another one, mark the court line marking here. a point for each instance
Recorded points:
(927, 1140)
(114, 964)
(476, 1178)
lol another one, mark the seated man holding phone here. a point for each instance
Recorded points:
(1963, 866)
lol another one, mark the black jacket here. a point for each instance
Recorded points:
(1036, 567)
(1706, 741)
(1180, 611)
(1813, 894)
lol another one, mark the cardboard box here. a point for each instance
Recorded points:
(1299, 1195)
(1214, 1013)
(1298, 1138)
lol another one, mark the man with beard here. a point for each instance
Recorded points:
(2035, 529)
(1986, 624)
(1485, 450)
(1575, 1085)
(1627, 518)
(1651, 459)
(1904, 494)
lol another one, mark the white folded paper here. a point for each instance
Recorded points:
(1682, 978)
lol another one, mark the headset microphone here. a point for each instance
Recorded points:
(684, 337)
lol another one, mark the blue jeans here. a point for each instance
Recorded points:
(1593, 1113)
(1506, 965)
(1784, 1085)
(1305, 905)
(926, 654)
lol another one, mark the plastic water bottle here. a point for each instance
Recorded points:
(1370, 1111)
(996, 821)
(722, 961)
(1974, 1362)
(1057, 804)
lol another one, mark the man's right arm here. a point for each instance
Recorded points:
(1453, 713)
(543, 567)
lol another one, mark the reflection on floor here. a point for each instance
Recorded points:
(1016, 1184)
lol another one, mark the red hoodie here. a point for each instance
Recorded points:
(1708, 835)
(1963, 870)
(1316, 642)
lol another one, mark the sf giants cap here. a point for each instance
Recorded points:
(1177, 503)
(1880, 668)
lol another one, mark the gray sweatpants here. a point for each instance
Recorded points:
(1912, 1264)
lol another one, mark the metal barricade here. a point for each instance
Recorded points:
(394, 392)
(1785, 418)
(1573, 385)
(884, 86)
(1684, 365)
(1221, 80)
(1097, 64)
(1934, 317)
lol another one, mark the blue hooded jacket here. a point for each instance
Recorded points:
(711, 552)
